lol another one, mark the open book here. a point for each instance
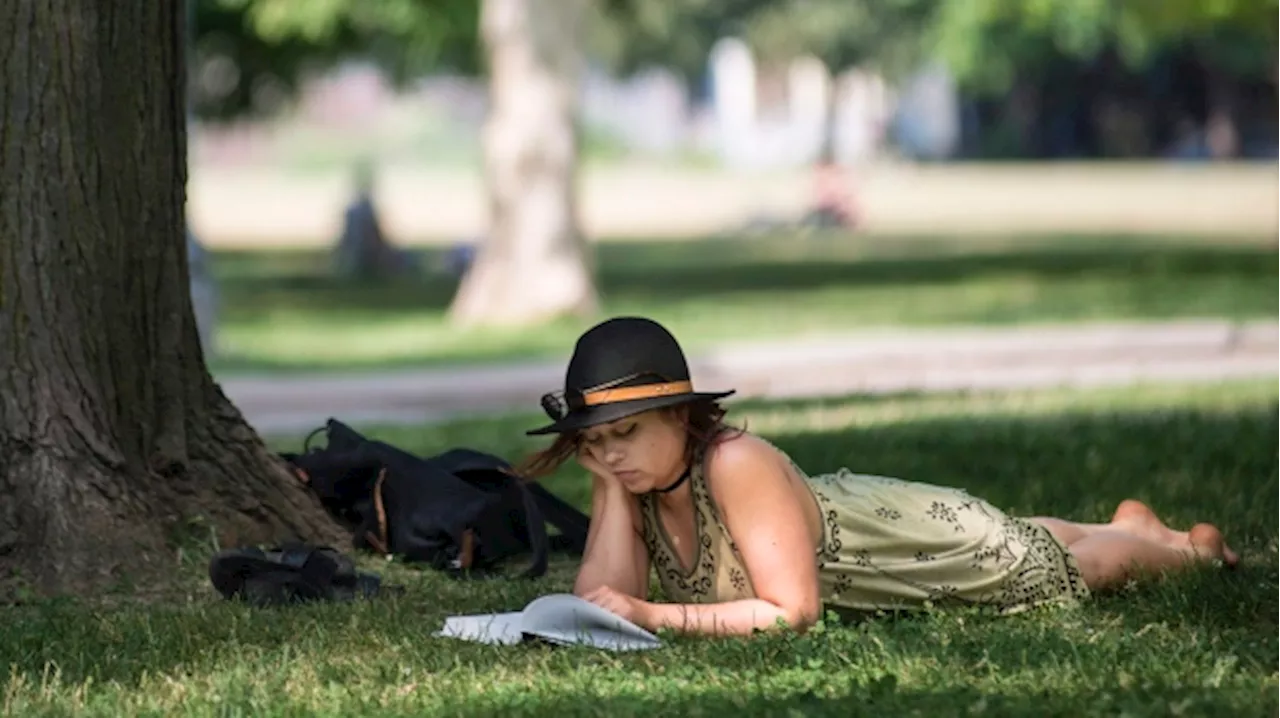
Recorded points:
(559, 618)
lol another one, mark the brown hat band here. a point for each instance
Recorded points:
(631, 393)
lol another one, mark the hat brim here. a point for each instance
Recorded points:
(605, 413)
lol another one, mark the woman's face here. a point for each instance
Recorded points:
(644, 451)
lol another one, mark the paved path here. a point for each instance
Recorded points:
(942, 359)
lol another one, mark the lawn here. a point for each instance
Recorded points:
(1204, 643)
(284, 310)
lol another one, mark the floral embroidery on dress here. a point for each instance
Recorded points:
(1047, 572)
(982, 555)
(941, 512)
(1031, 567)
(831, 545)
(945, 591)
(737, 579)
(842, 584)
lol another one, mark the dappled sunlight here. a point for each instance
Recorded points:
(401, 216)
(1195, 453)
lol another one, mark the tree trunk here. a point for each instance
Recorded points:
(534, 264)
(113, 435)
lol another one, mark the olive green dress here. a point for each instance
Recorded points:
(886, 544)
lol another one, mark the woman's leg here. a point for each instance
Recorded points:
(1110, 558)
(1132, 517)
(1136, 543)
(1069, 532)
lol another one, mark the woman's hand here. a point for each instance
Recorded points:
(628, 607)
(589, 463)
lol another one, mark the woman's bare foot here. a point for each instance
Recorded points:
(1204, 540)
(1208, 543)
(1138, 519)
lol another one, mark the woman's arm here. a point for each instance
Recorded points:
(615, 556)
(765, 515)
(721, 619)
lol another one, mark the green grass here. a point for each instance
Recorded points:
(284, 310)
(1202, 643)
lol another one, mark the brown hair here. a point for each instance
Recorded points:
(703, 423)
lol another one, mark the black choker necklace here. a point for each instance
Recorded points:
(676, 484)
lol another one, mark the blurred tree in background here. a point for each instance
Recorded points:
(533, 265)
(1040, 79)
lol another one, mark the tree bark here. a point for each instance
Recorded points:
(113, 435)
(534, 265)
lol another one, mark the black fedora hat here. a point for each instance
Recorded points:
(620, 367)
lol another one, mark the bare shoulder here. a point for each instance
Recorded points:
(760, 496)
(744, 459)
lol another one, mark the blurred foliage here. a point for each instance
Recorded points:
(889, 34)
(679, 34)
(628, 35)
(234, 70)
(985, 42)
(408, 37)
(272, 44)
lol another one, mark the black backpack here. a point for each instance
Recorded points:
(463, 511)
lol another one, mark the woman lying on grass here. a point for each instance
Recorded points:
(741, 537)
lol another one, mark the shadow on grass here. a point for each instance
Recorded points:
(1171, 264)
(688, 270)
(1191, 465)
(285, 311)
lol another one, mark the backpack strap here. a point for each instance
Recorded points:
(380, 539)
(572, 523)
(537, 524)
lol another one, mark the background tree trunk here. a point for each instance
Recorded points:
(534, 265)
(113, 435)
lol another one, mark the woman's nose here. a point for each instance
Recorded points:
(613, 453)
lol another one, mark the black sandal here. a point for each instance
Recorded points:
(292, 573)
